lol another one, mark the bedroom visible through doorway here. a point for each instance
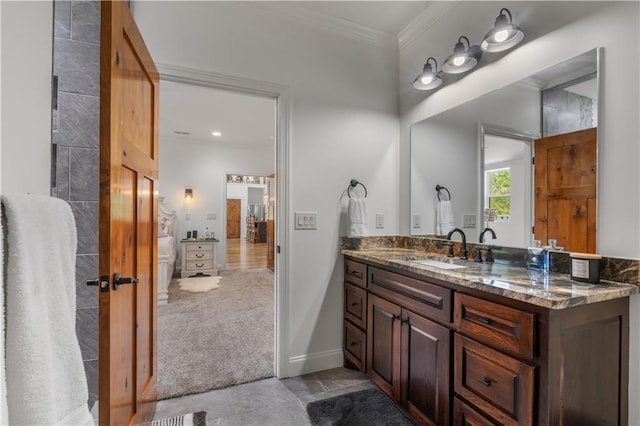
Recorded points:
(204, 134)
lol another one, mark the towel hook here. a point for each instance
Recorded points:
(353, 184)
(440, 188)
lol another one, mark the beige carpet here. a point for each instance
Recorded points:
(219, 338)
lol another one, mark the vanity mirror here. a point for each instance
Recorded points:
(482, 150)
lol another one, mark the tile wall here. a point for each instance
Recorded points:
(75, 137)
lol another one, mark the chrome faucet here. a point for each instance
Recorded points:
(489, 257)
(463, 252)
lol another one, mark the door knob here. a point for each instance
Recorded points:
(103, 283)
(119, 280)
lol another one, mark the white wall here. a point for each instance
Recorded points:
(617, 32)
(204, 167)
(27, 46)
(444, 153)
(344, 125)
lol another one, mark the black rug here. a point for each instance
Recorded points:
(367, 408)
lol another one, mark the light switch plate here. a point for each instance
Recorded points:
(306, 220)
(416, 221)
(468, 220)
(211, 216)
(379, 220)
(187, 216)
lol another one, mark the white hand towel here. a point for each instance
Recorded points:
(46, 382)
(444, 217)
(357, 217)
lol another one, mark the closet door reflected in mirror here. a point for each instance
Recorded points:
(565, 190)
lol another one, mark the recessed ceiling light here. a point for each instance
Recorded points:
(216, 133)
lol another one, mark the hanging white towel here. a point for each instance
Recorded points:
(444, 217)
(357, 217)
(46, 381)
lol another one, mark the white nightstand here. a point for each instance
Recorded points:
(198, 257)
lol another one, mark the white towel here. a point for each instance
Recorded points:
(444, 217)
(46, 382)
(357, 217)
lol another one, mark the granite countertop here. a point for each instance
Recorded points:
(552, 290)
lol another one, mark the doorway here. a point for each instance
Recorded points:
(194, 155)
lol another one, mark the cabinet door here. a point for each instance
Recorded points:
(383, 345)
(425, 390)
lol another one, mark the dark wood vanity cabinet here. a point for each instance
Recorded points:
(451, 355)
(355, 315)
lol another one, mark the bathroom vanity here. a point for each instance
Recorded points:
(486, 344)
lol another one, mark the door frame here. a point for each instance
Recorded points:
(527, 138)
(225, 196)
(282, 95)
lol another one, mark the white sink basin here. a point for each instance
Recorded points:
(438, 264)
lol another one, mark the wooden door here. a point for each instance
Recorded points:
(565, 190)
(425, 369)
(383, 345)
(233, 218)
(128, 221)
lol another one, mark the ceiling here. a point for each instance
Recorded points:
(249, 121)
(244, 121)
(386, 16)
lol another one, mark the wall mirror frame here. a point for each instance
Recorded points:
(438, 155)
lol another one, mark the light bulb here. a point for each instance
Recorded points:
(501, 35)
(459, 60)
(426, 79)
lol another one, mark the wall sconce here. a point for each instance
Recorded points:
(462, 59)
(188, 194)
(504, 34)
(428, 79)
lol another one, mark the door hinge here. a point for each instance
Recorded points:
(117, 58)
(278, 249)
(533, 160)
(533, 229)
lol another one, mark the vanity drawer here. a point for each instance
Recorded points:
(201, 246)
(355, 305)
(419, 296)
(199, 254)
(194, 265)
(498, 325)
(463, 415)
(355, 345)
(497, 384)
(355, 273)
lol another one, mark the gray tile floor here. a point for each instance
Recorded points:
(267, 402)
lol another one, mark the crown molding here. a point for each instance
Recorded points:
(425, 19)
(333, 24)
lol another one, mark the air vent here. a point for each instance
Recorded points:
(181, 132)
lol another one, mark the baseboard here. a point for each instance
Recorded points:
(310, 363)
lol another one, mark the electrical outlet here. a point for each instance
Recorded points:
(211, 216)
(379, 220)
(468, 220)
(305, 220)
(416, 222)
(187, 216)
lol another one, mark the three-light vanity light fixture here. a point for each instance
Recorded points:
(503, 36)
